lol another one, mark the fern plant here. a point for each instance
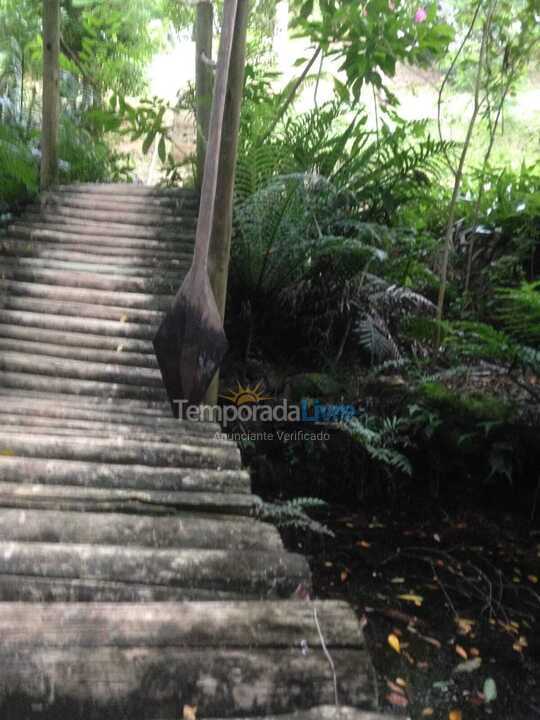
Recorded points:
(382, 440)
(293, 513)
(519, 312)
(381, 310)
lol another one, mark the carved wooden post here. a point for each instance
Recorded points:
(51, 93)
(203, 79)
(220, 247)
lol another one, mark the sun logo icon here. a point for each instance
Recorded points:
(246, 395)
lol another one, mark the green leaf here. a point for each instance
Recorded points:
(148, 140)
(162, 149)
(342, 91)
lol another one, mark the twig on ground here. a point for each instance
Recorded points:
(328, 656)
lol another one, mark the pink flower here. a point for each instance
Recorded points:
(421, 15)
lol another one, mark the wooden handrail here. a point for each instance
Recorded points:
(205, 222)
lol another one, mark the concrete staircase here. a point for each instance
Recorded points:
(135, 579)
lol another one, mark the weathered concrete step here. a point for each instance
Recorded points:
(179, 573)
(107, 662)
(25, 470)
(115, 406)
(143, 378)
(133, 203)
(93, 280)
(13, 422)
(63, 407)
(77, 353)
(99, 390)
(176, 531)
(121, 215)
(148, 502)
(21, 247)
(31, 233)
(328, 712)
(111, 344)
(52, 221)
(22, 303)
(174, 271)
(129, 190)
(121, 451)
(53, 291)
(68, 323)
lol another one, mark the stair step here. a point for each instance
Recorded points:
(67, 323)
(177, 573)
(69, 294)
(176, 531)
(129, 190)
(52, 221)
(81, 370)
(143, 661)
(165, 206)
(13, 422)
(117, 407)
(119, 450)
(99, 390)
(152, 318)
(78, 353)
(173, 271)
(123, 413)
(124, 216)
(30, 233)
(93, 280)
(77, 473)
(48, 249)
(148, 502)
(111, 344)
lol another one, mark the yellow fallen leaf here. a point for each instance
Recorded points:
(532, 578)
(416, 599)
(428, 712)
(455, 715)
(124, 319)
(394, 643)
(189, 712)
(464, 625)
(7, 453)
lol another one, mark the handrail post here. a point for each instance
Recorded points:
(51, 93)
(204, 22)
(220, 247)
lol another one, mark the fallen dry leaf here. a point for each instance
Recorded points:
(428, 712)
(461, 652)
(394, 643)
(363, 543)
(416, 599)
(455, 715)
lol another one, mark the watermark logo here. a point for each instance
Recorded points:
(247, 395)
(248, 404)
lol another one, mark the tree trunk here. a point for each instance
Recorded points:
(220, 247)
(51, 92)
(204, 80)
